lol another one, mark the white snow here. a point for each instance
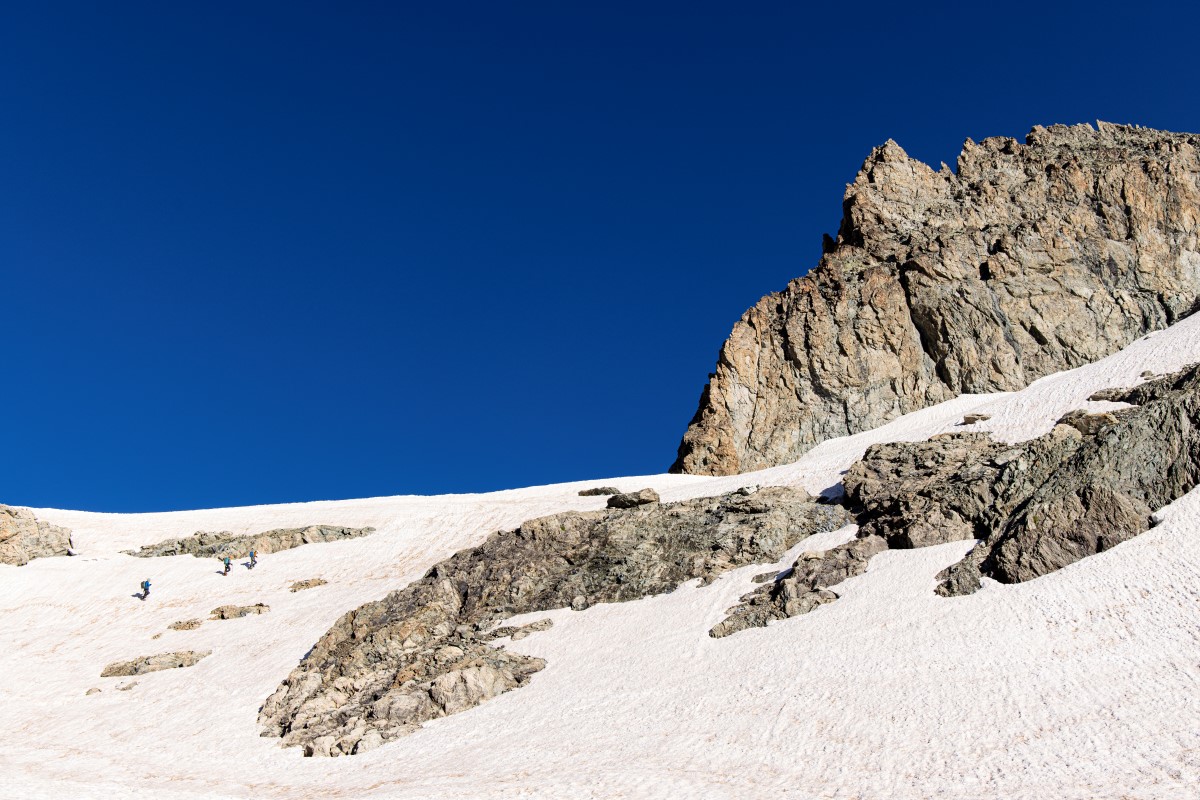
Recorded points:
(1081, 684)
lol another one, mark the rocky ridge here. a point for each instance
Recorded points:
(1089, 484)
(1029, 259)
(24, 537)
(206, 544)
(423, 652)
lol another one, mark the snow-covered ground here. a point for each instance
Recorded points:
(1081, 684)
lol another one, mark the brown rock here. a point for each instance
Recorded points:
(23, 537)
(1030, 259)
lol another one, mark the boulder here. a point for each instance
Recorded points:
(632, 499)
(23, 537)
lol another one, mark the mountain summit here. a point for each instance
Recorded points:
(1027, 260)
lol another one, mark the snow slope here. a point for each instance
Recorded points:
(1081, 684)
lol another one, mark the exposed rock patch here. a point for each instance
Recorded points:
(155, 663)
(632, 499)
(24, 537)
(599, 491)
(186, 625)
(236, 612)
(1028, 259)
(421, 652)
(311, 583)
(206, 544)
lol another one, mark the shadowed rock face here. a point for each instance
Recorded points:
(1031, 259)
(1089, 484)
(422, 652)
(205, 544)
(24, 537)
(155, 663)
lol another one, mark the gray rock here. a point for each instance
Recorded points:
(92, 690)
(23, 537)
(802, 588)
(1028, 259)
(632, 499)
(236, 612)
(599, 491)
(155, 663)
(1084, 487)
(206, 544)
(971, 419)
(422, 652)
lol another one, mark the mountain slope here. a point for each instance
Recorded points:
(1079, 684)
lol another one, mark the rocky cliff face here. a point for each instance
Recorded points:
(1029, 259)
(24, 537)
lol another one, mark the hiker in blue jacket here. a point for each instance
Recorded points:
(253, 559)
(226, 565)
(145, 589)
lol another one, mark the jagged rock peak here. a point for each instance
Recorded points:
(1028, 259)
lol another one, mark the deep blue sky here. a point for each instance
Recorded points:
(265, 252)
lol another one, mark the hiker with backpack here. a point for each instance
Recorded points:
(145, 589)
(253, 559)
(226, 560)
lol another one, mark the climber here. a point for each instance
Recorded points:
(253, 559)
(226, 560)
(145, 589)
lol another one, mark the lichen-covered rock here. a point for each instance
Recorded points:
(155, 663)
(24, 537)
(206, 544)
(423, 652)
(599, 491)
(1029, 259)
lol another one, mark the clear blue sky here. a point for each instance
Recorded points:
(258, 252)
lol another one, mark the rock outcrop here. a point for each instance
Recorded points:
(155, 663)
(24, 537)
(1089, 484)
(237, 612)
(1029, 259)
(599, 491)
(186, 625)
(206, 544)
(310, 583)
(422, 652)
